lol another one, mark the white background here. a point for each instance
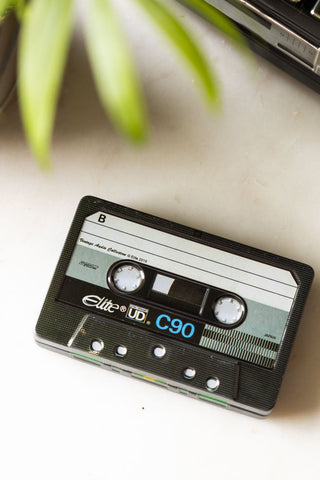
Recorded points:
(249, 173)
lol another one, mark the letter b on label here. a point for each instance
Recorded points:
(102, 218)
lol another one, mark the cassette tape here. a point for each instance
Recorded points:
(175, 306)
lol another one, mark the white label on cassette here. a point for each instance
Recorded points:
(123, 239)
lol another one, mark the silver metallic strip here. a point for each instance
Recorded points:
(273, 32)
(77, 330)
(316, 10)
(204, 301)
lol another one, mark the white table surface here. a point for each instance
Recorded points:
(249, 173)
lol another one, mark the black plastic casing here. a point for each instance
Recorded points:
(244, 386)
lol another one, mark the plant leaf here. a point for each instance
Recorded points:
(4, 6)
(113, 68)
(20, 5)
(7, 5)
(43, 47)
(184, 43)
(218, 19)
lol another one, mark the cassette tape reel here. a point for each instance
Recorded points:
(196, 313)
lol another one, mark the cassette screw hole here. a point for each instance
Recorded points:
(212, 384)
(159, 351)
(96, 345)
(189, 373)
(121, 351)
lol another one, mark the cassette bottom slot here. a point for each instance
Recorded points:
(163, 362)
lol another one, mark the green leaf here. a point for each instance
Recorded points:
(4, 6)
(218, 19)
(19, 8)
(113, 68)
(186, 46)
(43, 47)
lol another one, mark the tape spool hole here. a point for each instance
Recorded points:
(189, 373)
(96, 345)
(229, 310)
(212, 384)
(126, 277)
(121, 351)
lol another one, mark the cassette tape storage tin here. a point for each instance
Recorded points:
(178, 307)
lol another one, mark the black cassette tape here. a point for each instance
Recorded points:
(178, 307)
